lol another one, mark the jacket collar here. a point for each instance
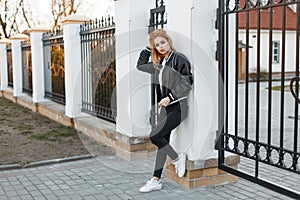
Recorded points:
(170, 55)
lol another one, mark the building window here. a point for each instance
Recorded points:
(275, 55)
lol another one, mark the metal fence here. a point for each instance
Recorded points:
(158, 16)
(9, 66)
(99, 68)
(54, 66)
(257, 122)
(26, 67)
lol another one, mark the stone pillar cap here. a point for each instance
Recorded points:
(38, 29)
(19, 36)
(5, 41)
(75, 19)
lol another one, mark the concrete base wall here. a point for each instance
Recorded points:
(105, 132)
(203, 173)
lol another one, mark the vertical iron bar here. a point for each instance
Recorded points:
(247, 77)
(220, 84)
(82, 65)
(236, 76)
(87, 68)
(282, 84)
(296, 90)
(226, 81)
(257, 93)
(85, 72)
(270, 85)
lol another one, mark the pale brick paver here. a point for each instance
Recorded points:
(91, 179)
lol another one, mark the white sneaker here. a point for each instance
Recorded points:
(151, 185)
(180, 165)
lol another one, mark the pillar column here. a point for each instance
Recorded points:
(194, 34)
(38, 76)
(133, 87)
(3, 64)
(17, 62)
(72, 47)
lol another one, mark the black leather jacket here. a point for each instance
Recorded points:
(177, 78)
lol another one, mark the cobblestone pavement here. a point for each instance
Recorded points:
(94, 179)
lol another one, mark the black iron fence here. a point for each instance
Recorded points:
(260, 120)
(26, 67)
(9, 66)
(54, 66)
(158, 16)
(99, 68)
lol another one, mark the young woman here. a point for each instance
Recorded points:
(173, 81)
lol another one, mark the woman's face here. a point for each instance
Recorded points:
(162, 45)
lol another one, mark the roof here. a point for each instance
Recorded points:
(291, 18)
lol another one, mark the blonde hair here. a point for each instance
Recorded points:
(156, 56)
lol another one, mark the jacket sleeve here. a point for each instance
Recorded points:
(143, 63)
(184, 76)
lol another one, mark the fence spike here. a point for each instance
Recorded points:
(102, 22)
(112, 19)
(109, 23)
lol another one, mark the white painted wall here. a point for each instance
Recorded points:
(38, 83)
(3, 67)
(191, 25)
(17, 67)
(133, 87)
(194, 35)
(290, 50)
(73, 78)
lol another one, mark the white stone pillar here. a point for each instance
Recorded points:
(3, 64)
(194, 34)
(133, 87)
(72, 50)
(17, 62)
(38, 83)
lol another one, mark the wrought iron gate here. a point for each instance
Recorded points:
(258, 115)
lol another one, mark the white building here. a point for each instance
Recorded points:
(277, 40)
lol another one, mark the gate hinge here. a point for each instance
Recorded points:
(217, 22)
(217, 55)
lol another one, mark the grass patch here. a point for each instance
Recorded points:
(32, 137)
(27, 132)
(55, 134)
(278, 88)
(2, 132)
(26, 127)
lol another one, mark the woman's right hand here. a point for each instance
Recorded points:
(148, 48)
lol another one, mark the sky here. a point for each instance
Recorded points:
(93, 9)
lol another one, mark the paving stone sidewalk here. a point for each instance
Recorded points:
(111, 178)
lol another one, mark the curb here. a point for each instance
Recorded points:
(45, 162)
(9, 167)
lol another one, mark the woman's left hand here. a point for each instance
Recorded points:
(164, 102)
